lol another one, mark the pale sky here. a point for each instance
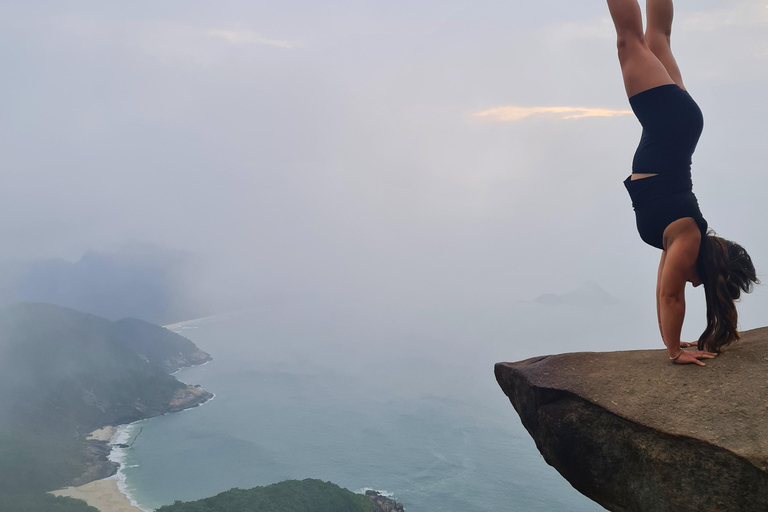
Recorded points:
(420, 149)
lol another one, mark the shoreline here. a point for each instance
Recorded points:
(120, 445)
(227, 314)
(110, 494)
(104, 434)
(176, 325)
(105, 494)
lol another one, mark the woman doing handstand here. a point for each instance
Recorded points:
(660, 186)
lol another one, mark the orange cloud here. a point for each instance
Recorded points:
(513, 113)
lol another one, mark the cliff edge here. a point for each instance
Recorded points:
(635, 432)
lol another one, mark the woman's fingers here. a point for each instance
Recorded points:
(702, 353)
(687, 358)
(693, 356)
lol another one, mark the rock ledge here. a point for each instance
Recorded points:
(634, 432)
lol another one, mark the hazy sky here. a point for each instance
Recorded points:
(428, 150)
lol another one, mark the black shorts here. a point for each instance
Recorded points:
(672, 124)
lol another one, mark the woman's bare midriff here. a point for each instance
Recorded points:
(640, 176)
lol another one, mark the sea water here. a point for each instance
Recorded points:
(368, 398)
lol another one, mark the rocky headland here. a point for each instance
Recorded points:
(382, 503)
(637, 433)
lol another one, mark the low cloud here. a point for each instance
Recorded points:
(567, 31)
(750, 13)
(248, 37)
(513, 113)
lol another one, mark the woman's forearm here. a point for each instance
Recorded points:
(658, 292)
(671, 315)
(658, 316)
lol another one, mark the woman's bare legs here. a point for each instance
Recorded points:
(641, 68)
(658, 32)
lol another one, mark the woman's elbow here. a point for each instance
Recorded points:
(671, 298)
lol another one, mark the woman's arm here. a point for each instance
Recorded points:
(658, 293)
(683, 344)
(671, 300)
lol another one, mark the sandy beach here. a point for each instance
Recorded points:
(102, 494)
(103, 434)
(210, 317)
(190, 321)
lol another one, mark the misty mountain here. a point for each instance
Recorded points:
(589, 294)
(139, 281)
(64, 373)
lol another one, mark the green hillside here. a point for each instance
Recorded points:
(63, 374)
(42, 503)
(289, 496)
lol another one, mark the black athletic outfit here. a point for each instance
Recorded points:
(672, 124)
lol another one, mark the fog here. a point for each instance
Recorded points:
(333, 149)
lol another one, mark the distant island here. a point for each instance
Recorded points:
(589, 294)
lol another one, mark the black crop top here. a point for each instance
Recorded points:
(659, 201)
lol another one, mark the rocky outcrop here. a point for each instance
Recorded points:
(97, 463)
(635, 432)
(382, 503)
(189, 397)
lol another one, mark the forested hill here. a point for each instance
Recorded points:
(64, 373)
(61, 366)
(289, 496)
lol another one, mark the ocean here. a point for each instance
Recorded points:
(400, 401)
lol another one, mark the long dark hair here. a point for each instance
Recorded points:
(725, 270)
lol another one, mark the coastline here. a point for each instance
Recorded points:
(101, 494)
(105, 494)
(110, 493)
(185, 323)
(176, 325)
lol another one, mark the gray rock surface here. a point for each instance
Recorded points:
(635, 432)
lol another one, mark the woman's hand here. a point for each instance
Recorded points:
(685, 344)
(693, 356)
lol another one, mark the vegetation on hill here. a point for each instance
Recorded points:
(63, 374)
(41, 461)
(42, 503)
(160, 346)
(70, 372)
(289, 496)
